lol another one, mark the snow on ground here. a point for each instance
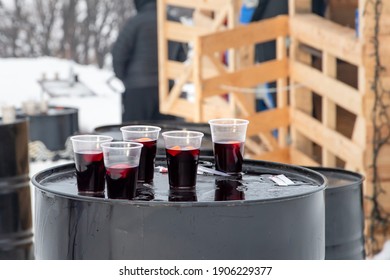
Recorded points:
(19, 82)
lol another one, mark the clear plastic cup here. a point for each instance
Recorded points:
(182, 151)
(88, 157)
(148, 136)
(228, 136)
(121, 160)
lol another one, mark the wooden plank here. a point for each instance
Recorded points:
(183, 108)
(197, 76)
(329, 68)
(268, 120)
(248, 77)
(177, 88)
(162, 52)
(232, 23)
(300, 98)
(175, 69)
(183, 33)
(299, 6)
(327, 138)
(201, 19)
(269, 140)
(217, 65)
(299, 158)
(220, 18)
(359, 136)
(216, 107)
(323, 34)
(199, 4)
(281, 84)
(261, 31)
(336, 91)
(253, 147)
(245, 103)
(281, 155)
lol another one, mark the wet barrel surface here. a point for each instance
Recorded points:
(344, 216)
(16, 235)
(225, 218)
(207, 144)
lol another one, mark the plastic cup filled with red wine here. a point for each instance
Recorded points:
(146, 135)
(88, 157)
(182, 152)
(228, 136)
(121, 160)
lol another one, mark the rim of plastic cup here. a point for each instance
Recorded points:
(234, 121)
(168, 134)
(99, 138)
(118, 145)
(154, 128)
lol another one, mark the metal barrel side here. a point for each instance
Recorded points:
(344, 216)
(16, 232)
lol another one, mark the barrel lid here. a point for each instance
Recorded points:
(255, 186)
(339, 178)
(19, 120)
(52, 111)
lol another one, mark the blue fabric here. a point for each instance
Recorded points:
(246, 14)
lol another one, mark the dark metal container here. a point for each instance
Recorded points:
(266, 221)
(344, 216)
(16, 234)
(207, 144)
(54, 127)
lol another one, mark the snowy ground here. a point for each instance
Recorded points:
(19, 82)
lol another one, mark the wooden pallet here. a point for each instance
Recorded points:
(323, 120)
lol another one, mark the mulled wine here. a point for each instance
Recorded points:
(121, 181)
(182, 167)
(146, 163)
(90, 171)
(229, 156)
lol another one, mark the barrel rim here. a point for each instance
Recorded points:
(18, 120)
(316, 176)
(359, 177)
(62, 111)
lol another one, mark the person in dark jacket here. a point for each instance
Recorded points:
(135, 63)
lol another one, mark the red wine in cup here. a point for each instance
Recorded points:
(229, 156)
(146, 162)
(90, 171)
(121, 181)
(182, 166)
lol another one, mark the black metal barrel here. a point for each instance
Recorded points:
(344, 214)
(54, 127)
(266, 221)
(16, 233)
(207, 144)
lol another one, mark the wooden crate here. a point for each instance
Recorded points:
(208, 17)
(366, 149)
(323, 120)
